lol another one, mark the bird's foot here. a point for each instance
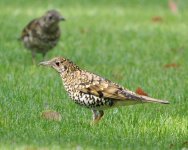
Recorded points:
(97, 115)
(95, 121)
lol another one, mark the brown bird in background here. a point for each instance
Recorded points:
(92, 91)
(42, 34)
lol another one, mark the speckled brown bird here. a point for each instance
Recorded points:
(42, 34)
(92, 91)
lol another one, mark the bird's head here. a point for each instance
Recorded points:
(52, 17)
(61, 65)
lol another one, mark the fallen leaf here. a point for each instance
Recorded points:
(173, 65)
(51, 115)
(157, 19)
(173, 6)
(141, 92)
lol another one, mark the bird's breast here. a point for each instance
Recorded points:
(90, 101)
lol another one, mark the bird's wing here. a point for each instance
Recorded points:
(92, 84)
(98, 86)
(31, 25)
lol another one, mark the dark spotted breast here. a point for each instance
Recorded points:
(91, 101)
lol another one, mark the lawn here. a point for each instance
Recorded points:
(120, 40)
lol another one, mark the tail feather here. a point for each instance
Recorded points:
(153, 100)
(133, 96)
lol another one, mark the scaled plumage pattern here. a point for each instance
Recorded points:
(42, 34)
(92, 91)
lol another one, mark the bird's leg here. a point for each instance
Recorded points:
(97, 115)
(33, 56)
(101, 113)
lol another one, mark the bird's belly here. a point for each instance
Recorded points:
(39, 44)
(91, 101)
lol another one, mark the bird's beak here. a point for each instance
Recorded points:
(45, 63)
(61, 18)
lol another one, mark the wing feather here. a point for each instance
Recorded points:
(29, 26)
(93, 84)
(100, 87)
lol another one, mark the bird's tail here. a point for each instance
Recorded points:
(140, 98)
(153, 100)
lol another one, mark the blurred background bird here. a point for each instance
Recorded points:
(42, 34)
(92, 91)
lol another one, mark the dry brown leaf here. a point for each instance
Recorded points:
(173, 65)
(141, 92)
(157, 19)
(51, 115)
(173, 6)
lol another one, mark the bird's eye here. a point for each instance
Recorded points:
(57, 64)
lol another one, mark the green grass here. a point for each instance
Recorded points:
(116, 40)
